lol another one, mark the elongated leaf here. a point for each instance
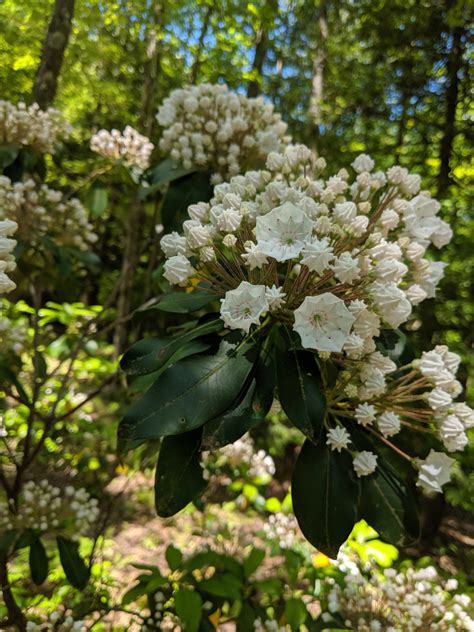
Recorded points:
(232, 424)
(179, 476)
(7, 539)
(299, 390)
(223, 585)
(150, 354)
(325, 496)
(74, 566)
(189, 609)
(8, 154)
(386, 502)
(184, 302)
(265, 379)
(174, 557)
(97, 200)
(165, 172)
(38, 562)
(189, 189)
(295, 613)
(188, 394)
(253, 561)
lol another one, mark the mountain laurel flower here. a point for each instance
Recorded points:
(323, 322)
(275, 297)
(438, 399)
(229, 241)
(434, 471)
(173, 244)
(317, 255)
(451, 430)
(364, 463)
(253, 257)
(283, 233)
(363, 162)
(365, 414)
(338, 438)
(178, 269)
(346, 268)
(130, 146)
(244, 306)
(388, 423)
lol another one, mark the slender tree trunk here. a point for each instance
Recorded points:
(402, 124)
(52, 57)
(451, 102)
(261, 47)
(317, 83)
(16, 618)
(135, 220)
(200, 45)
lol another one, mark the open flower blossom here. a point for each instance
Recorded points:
(130, 146)
(210, 128)
(323, 322)
(7, 260)
(244, 306)
(30, 125)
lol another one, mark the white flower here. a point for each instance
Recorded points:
(354, 346)
(197, 234)
(173, 244)
(391, 303)
(338, 438)
(452, 433)
(438, 399)
(388, 423)
(363, 162)
(373, 382)
(283, 233)
(345, 212)
(465, 414)
(178, 269)
(244, 306)
(275, 297)
(382, 362)
(365, 414)
(317, 255)
(364, 463)
(229, 241)
(323, 322)
(430, 364)
(415, 294)
(253, 256)
(346, 268)
(435, 471)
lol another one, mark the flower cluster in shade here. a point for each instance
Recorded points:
(42, 506)
(29, 125)
(413, 599)
(337, 260)
(7, 261)
(128, 146)
(58, 620)
(282, 528)
(40, 212)
(242, 456)
(212, 129)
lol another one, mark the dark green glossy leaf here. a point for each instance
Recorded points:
(74, 566)
(184, 302)
(223, 585)
(7, 540)
(189, 609)
(174, 557)
(300, 391)
(97, 199)
(164, 172)
(395, 344)
(8, 154)
(189, 394)
(150, 354)
(253, 561)
(295, 613)
(265, 379)
(133, 594)
(38, 562)
(189, 189)
(325, 496)
(179, 477)
(246, 618)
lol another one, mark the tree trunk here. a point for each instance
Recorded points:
(317, 83)
(16, 619)
(59, 29)
(451, 101)
(261, 47)
(135, 220)
(200, 45)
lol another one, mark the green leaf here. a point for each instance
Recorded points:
(184, 302)
(189, 394)
(253, 561)
(165, 172)
(395, 344)
(188, 608)
(74, 566)
(97, 199)
(178, 477)
(190, 189)
(265, 379)
(174, 557)
(223, 585)
(232, 424)
(38, 562)
(325, 496)
(150, 354)
(133, 594)
(7, 539)
(295, 613)
(246, 618)
(8, 154)
(300, 391)
(270, 586)
(386, 502)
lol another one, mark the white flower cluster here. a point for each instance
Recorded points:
(338, 259)
(269, 625)
(282, 528)
(385, 400)
(7, 261)
(210, 128)
(411, 600)
(241, 454)
(29, 125)
(130, 146)
(42, 506)
(40, 211)
(57, 621)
